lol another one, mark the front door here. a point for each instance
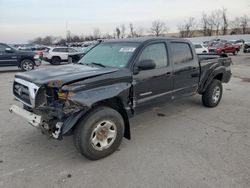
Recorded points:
(152, 87)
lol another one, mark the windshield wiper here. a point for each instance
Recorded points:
(98, 64)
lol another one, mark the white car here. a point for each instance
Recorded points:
(199, 48)
(56, 55)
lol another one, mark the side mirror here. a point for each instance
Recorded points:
(9, 50)
(146, 64)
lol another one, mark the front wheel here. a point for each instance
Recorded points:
(212, 96)
(99, 133)
(27, 65)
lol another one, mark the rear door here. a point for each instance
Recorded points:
(185, 69)
(152, 87)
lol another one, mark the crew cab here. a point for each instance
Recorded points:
(22, 59)
(222, 48)
(114, 81)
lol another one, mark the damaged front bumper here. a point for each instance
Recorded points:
(35, 120)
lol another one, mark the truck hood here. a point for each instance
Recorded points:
(64, 74)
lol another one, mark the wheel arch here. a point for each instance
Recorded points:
(114, 103)
(24, 58)
(117, 104)
(218, 75)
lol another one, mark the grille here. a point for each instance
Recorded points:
(22, 92)
(211, 50)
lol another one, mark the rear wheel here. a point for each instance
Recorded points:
(99, 133)
(27, 65)
(212, 96)
(55, 60)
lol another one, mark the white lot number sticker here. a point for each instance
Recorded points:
(127, 49)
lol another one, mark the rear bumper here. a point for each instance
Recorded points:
(46, 59)
(38, 62)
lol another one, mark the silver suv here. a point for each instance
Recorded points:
(56, 55)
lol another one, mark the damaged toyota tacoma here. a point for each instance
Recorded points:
(94, 98)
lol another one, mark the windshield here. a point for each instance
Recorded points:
(110, 54)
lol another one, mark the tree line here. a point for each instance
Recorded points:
(216, 23)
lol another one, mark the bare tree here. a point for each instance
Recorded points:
(210, 22)
(158, 28)
(235, 26)
(140, 31)
(244, 21)
(96, 33)
(38, 40)
(216, 20)
(68, 36)
(132, 32)
(204, 24)
(123, 31)
(118, 32)
(225, 21)
(48, 40)
(188, 28)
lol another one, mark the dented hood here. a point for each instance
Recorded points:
(64, 73)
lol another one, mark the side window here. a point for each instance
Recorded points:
(71, 50)
(60, 50)
(181, 52)
(156, 52)
(57, 50)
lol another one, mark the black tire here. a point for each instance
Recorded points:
(27, 65)
(234, 53)
(212, 96)
(84, 133)
(55, 61)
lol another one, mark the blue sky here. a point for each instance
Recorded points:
(22, 20)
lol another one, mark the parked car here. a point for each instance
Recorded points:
(114, 81)
(239, 42)
(200, 48)
(56, 55)
(22, 59)
(222, 48)
(246, 48)
(75, 57)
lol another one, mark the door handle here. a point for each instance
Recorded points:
(168, 74)
(194, 68)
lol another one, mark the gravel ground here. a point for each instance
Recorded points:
(182, 144)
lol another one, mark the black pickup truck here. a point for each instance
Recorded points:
(117, 79)
(26, 60)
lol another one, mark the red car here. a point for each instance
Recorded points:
(222, 48)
